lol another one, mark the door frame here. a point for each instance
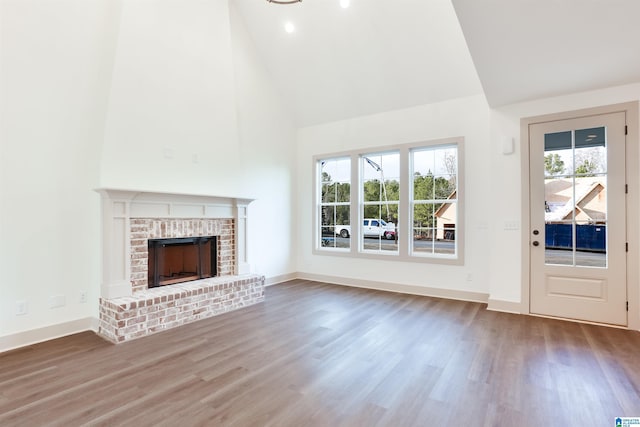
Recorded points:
(632, 172)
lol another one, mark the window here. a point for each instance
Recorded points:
(335, 205)
(434, 201)
(380, 189)
(407, 202)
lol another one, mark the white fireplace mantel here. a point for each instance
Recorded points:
(120, 206)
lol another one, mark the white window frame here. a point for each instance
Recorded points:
(413, 202)
(405, 210)
(318, 237)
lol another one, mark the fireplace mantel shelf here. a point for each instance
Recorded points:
(145, 195)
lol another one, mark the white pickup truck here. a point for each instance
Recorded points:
(371, 227)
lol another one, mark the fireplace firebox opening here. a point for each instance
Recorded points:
(181, 260)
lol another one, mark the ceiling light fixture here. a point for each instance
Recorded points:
(344, 3)
(284, 1)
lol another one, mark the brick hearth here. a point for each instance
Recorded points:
(157, 309)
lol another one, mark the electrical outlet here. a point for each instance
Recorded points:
(83, 296)
(21, 308)
(511, 225)
(56, 301)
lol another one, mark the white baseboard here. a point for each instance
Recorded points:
(505, 306)
(397, 287)
(34, 336)
(279, 279)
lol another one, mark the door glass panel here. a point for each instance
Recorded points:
(575, 165)
(590, 244)
(559, 243)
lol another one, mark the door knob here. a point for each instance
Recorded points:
(536, 243)
(536, 232)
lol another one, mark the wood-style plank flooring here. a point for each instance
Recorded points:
(321, 355)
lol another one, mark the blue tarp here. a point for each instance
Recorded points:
(588, 237)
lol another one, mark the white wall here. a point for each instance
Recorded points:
(172, 98)
(266, 138)
(56, 62)
(467, 117)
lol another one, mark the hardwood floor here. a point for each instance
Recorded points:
(320, 355)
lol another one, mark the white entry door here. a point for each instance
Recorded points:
(578, 216)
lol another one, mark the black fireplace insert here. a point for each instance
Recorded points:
(181, 260)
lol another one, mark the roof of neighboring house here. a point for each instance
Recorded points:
(560, 198)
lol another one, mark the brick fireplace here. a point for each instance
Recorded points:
(129, 308)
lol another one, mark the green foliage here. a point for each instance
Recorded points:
(587, 168)
(553, 164)
(430, 189)
(335, 192)
(427, 188)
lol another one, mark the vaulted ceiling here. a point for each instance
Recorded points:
(381, 55)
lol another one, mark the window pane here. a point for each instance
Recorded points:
(557, 141)
(559, 243)
(336, 170)
(423, 228)
(380, 193)
(381, 177)
(446, 161)
(372, 190)
(343, 192)
(444, 187)
(590, 160)
(591, 244)
(434, 202)
(424, 162)
(328, 215)
(328, 194)
(576, 198)
(342, 215)
(445, 217)
(335, 195)
(378, 234)
(422, 187)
